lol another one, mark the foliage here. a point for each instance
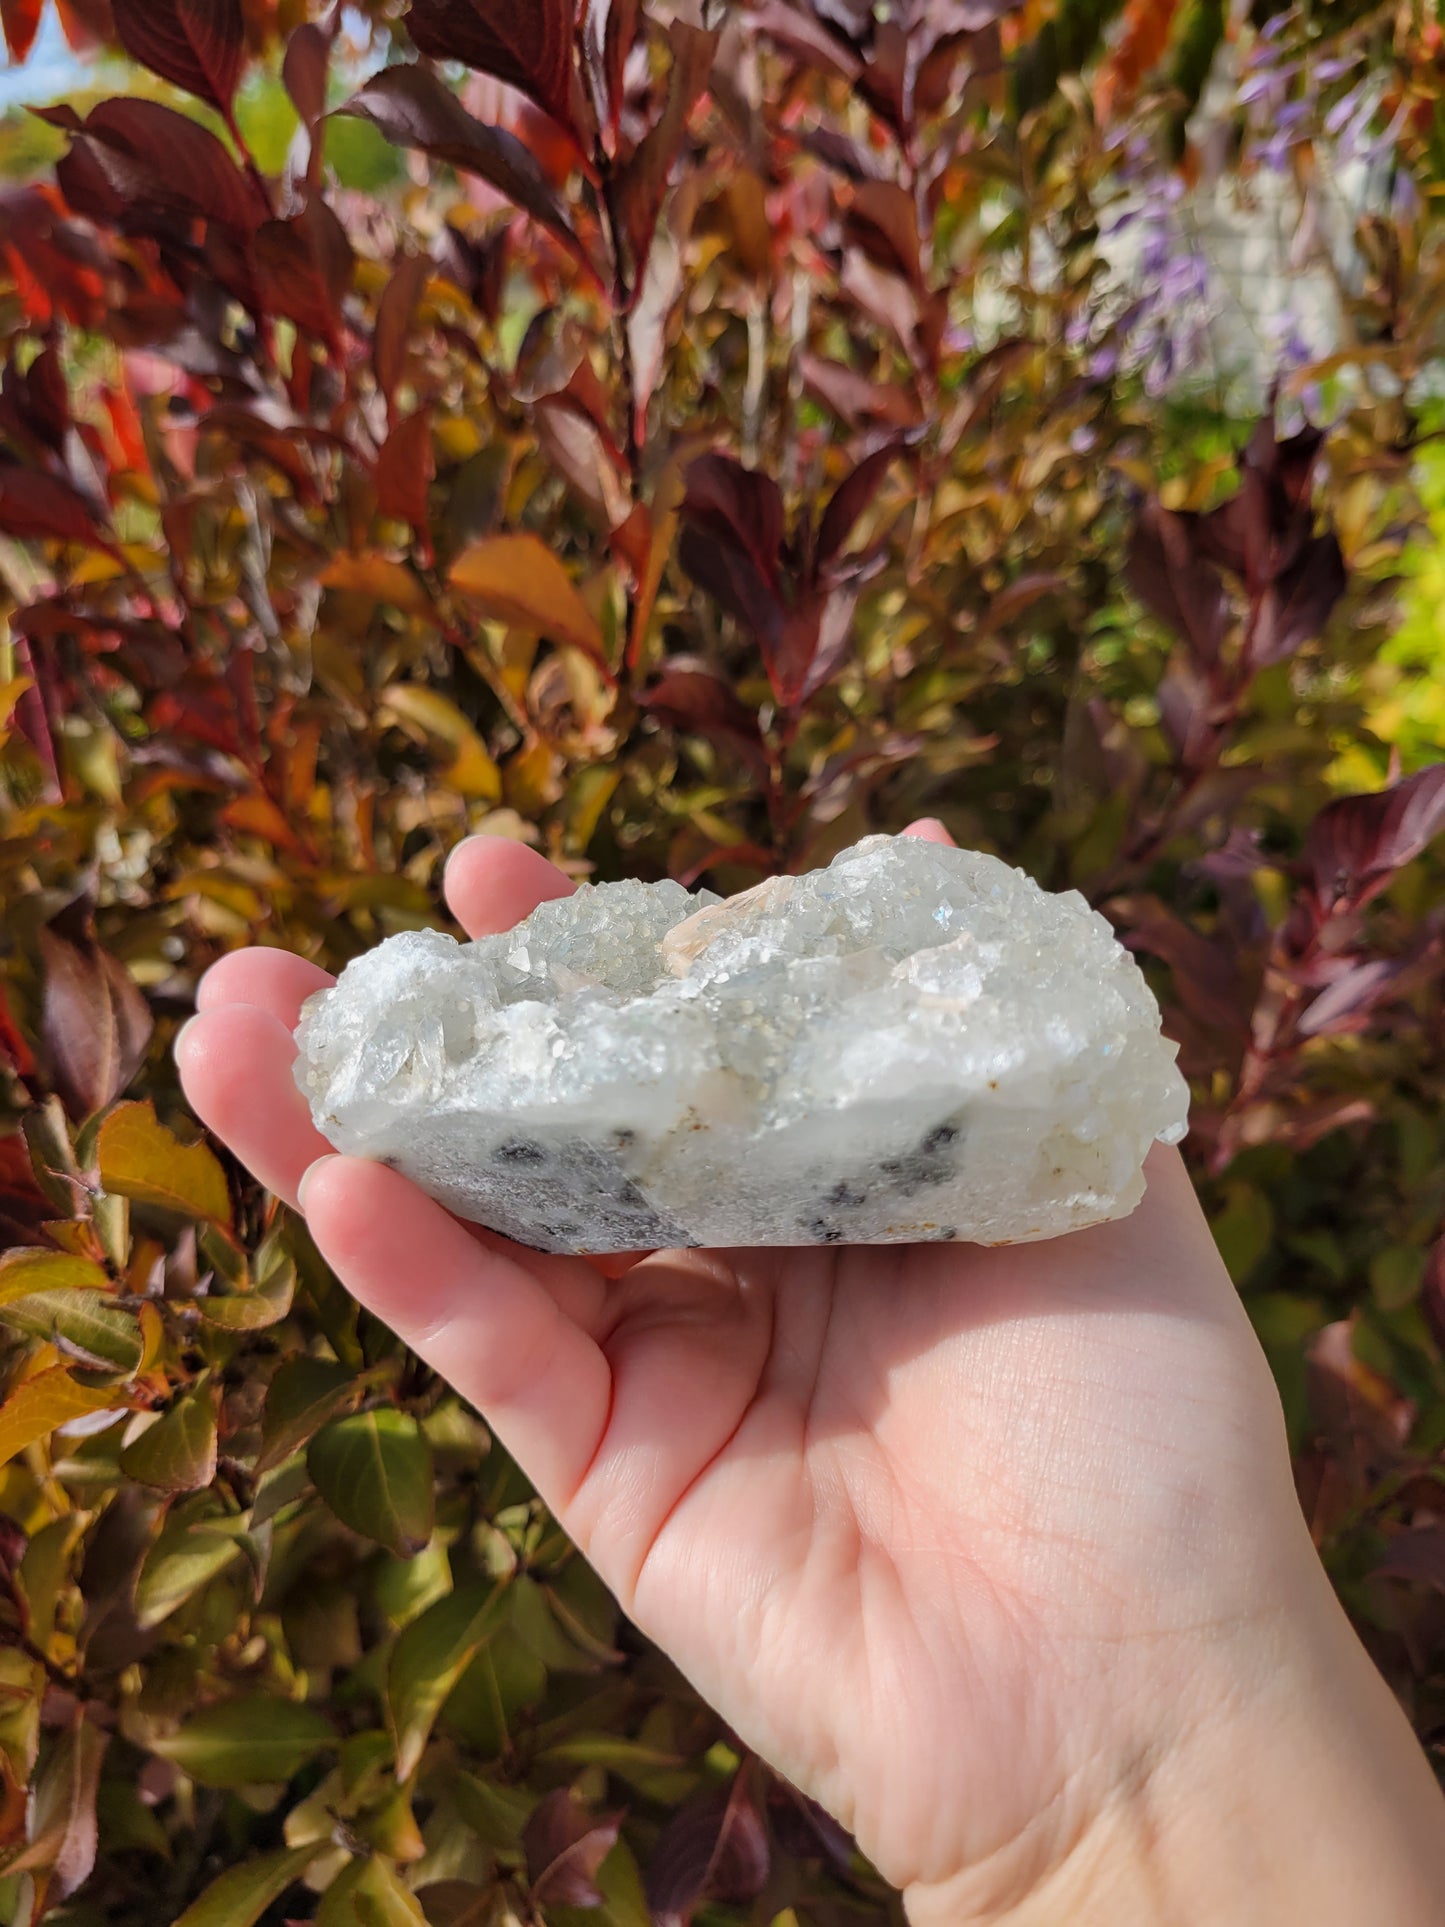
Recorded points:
(709, 446)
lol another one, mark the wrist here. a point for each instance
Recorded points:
(1293, 1789)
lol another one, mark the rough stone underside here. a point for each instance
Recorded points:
(915, 1043)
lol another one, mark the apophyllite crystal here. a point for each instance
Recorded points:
(915, 1043)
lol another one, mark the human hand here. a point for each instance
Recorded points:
(982, 1548)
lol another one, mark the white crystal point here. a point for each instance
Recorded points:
(917, 1043)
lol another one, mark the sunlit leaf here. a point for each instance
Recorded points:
(178, 1452)
(370, 1891)
(517, 579)
(88, 1326)
(38, 1405)
(427, 1661)
(141, 1159)
(471, 771)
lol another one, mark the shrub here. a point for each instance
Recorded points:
(699, 444)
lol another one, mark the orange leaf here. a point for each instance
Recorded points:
(517, 579)
(42, 1403)
(1142, 38)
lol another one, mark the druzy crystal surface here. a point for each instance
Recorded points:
(917, 1043)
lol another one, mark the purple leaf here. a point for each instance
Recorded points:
(853, 497)
(199, 45)
(565, 1846)
(527, 43)
(714, 1848)
(1356, 844)
(413, 108)
(1416, 1555)
(1174, 580)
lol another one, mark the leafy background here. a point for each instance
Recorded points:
(685, 440)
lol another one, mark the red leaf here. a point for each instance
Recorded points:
(565, 1846)
(607, 38)
(404, 470)
(41, 507)
(394, 314)
(56, 264)
(21, 20)
(884, 217)
(1298, 603)
(852, 498)
(742, 506)
(148, 157)
(304, 267)
(1138, 48)
(88, 24)
(714, 1848)
(1356, 844)
(808, 39)
(643, 182)
(690, 696)
(1207, 978)
(305, 69)
(412, 108)
(199, 45)
(1416, 1555)
(1171, 577)
(94, 1022)
(1344, 1006)
(13, 1047)
(527, 43)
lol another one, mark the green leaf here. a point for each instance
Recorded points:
(242, 1894)
(140, 1159)
(178, 1452)
(496, 1814)
(25, 1272)
(304, 1394)
(1243, 1230)
(427, 1661)
(1396, 1274)
(247, 1742)
(374, 1470)
(258, 1309)
(45, 1569)
(88, 1325)
(369, 1894)
(190, 1550)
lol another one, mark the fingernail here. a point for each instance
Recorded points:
(307, 1175)
(929, 829)
(188, 1025)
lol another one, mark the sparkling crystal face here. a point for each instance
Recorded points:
(915, 1043)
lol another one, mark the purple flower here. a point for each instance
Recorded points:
(1346, 108)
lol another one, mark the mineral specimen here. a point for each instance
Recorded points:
(917, 1043)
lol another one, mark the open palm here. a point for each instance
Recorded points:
(947, 1534)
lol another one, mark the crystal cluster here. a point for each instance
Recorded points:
(917, 1043)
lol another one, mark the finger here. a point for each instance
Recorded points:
(928, 829)
(235, 1063)
(270, 980)
(492, 1330)
(236, 1069)
(493, 882)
